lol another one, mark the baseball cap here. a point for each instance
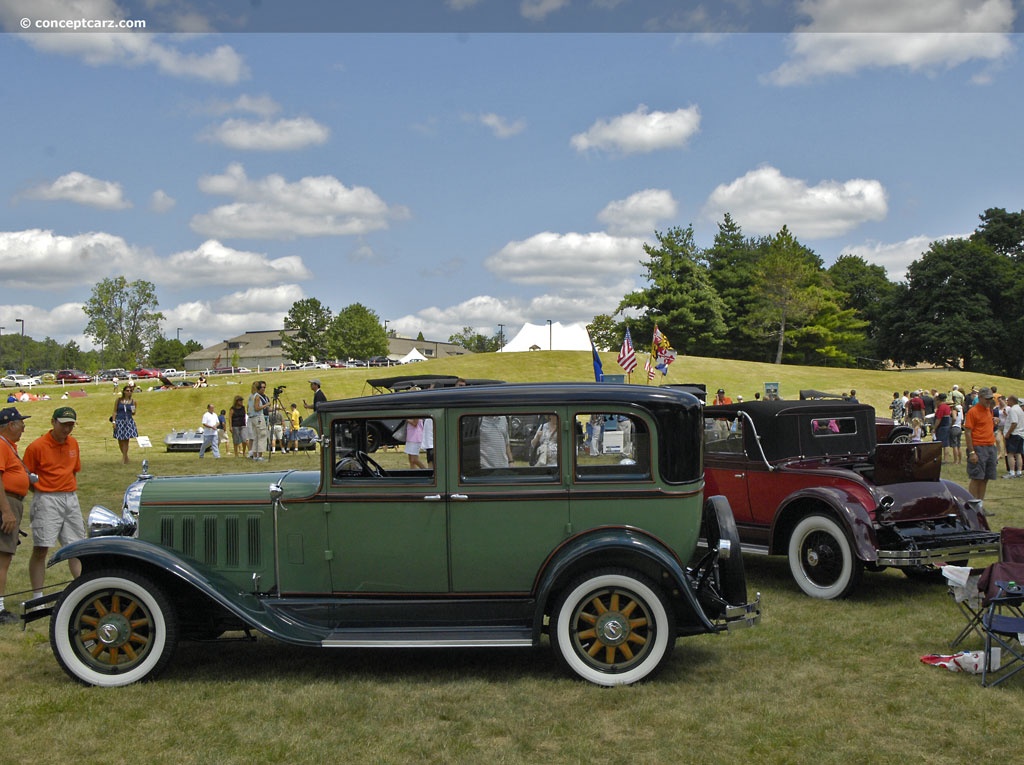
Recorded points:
(10, 414)
(985, 393)
(314, 381)
(65, 414)
(721, 390)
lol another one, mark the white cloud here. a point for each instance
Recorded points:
(214, 262)
(577, 261)
(161, 201)
(502, 127)
(538, 10)
(221, 65)
(896, 257)
(82, 189)
(764, 200)
(64, 321)
(37, 259)
(640, 131)
(638, 213)
(272, 208)
(267, 135)
(844, 37)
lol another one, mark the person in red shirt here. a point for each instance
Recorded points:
(943, 422)
(13, 488)
(982, 453)
(56, 514)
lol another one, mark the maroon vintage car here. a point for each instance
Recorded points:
(807, 479)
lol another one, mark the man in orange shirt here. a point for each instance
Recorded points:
(13, 488)
(56, 515)
(982, 452)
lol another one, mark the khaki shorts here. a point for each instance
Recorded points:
(56, 516)
(9, 542)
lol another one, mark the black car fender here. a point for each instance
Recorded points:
(612, 547)
(159, 562)
(842, 505)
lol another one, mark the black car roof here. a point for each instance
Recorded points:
(515, 394)
(782, 426)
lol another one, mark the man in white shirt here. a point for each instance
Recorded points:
(1012, 423)
(211, 423)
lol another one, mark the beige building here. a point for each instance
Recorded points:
(263, 350)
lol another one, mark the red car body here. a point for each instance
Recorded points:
(807, 479)
(143, 373)
(72, 376)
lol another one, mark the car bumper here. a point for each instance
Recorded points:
(741, 617)
(926, 550)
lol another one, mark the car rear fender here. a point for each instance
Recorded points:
(833, 501)
(183, 575)
(616, 547)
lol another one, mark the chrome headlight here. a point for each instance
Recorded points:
(106, 523)
(132, 500)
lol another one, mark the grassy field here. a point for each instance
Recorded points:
(832, 682)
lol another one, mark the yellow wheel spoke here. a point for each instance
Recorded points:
(630, 608)
(131, 609)
(115, 603)
(637, 639)
(139, 623)
(100, 608)
(626, 651)
(130, 652)
(113, 655)
(595, 648)
(588, 618)
(90, 635)
(140, 639)
(587, 634)
(609, 655)
(614, 604)
(598, 605)
(96, 650)
(92, 621)
(634, 623)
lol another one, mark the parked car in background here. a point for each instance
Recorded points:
(107, 375)
(597, 551)
(807, 479)
(143, 373)
(19, 381)
(72, 376)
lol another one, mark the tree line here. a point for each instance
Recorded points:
(771, 299)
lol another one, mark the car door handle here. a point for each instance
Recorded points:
(739, 475)
(433, 497)
(460, 496)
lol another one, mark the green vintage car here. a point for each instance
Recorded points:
(450, 540)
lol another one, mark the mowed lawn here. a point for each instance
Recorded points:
(833, 682)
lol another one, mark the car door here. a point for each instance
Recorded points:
(726, 466)
(505, 515)
(386, 526)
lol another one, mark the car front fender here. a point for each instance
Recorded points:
(136, 554)
(845, 506)
(612, 547)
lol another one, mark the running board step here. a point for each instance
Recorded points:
(438, 637)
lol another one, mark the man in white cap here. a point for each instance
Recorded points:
(56, 514)
(319, 397)
(13, 488)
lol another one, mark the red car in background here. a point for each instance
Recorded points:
(810, 481)
(72, 376)
(143, 373)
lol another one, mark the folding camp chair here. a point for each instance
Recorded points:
(970, 597)
(1003, 631)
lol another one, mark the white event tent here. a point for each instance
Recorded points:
(557, 337)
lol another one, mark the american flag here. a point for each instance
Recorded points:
(627, 357)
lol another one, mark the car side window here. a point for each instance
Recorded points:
(833, 426)
(371, 449)
(612, 447)
(723, 436)
(504, 448)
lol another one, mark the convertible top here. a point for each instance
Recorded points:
(424, 382)
(786, 432)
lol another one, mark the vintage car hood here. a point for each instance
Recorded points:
(240, 487)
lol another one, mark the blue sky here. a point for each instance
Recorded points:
(493, 169)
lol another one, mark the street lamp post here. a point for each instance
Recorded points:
(501, 337)
(2, 342)
(22, 323)
(549, 335)
(179, 334)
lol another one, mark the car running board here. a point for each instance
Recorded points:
(440, 637)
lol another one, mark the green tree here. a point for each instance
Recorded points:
(679, 298)
(786, 290)
(606, 333)
(732, 264)
(865, 289)
(123, 318)
(311, 321)
(167, 353)
(952, 310)
(474, 341)
(357, 333)
(1002, 231)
